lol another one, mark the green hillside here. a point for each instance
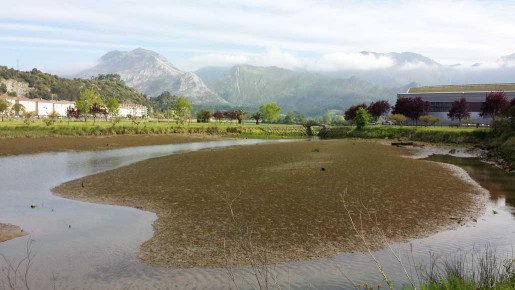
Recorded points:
(48, 86)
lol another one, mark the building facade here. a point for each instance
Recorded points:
(137, 110)
(44, 107)
(442, 97)
(40, 107)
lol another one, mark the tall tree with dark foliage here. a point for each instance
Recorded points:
(496, 104)
(412, 108)
(459, 110)
(378, 109)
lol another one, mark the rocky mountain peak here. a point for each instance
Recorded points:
(151, 73)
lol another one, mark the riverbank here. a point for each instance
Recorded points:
(9, 232)
(17, 146)
(286, 200)
(498, 142)
(16, 129)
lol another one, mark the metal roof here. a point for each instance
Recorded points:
(453, 96)
(464, 88)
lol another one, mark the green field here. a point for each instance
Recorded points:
(17, 128)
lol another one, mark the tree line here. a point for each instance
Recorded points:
(496, 105)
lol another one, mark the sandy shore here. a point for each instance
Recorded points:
(8, 232)
(16, 146)
(286, 199)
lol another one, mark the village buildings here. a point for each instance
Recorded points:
(43, 108)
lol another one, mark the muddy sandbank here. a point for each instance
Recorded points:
(8, 232)
(17, 146)
(286, 199)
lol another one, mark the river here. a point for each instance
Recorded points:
(78, 245)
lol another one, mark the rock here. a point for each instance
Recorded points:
(474, 220)
(494, 212)
(452, 151)
(323, 169)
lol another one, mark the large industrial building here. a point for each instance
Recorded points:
(442, 97)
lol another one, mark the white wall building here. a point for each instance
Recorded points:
(40, 106)
(132, 110)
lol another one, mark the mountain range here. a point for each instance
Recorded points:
(152, 74)
(304, 91)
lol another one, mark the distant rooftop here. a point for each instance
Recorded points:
(463, 88)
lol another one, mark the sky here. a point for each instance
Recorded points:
(66, 36)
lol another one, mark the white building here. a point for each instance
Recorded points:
(132, 110)
(40, 106)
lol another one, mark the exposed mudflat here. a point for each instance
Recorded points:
(286, 200)
(8, 232)
(17, 146)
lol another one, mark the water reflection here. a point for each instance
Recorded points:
(498, 182)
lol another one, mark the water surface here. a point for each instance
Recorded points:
(91, 246)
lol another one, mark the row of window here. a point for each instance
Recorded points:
(446, 106)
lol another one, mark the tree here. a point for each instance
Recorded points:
(204, 116)
(86, 101)
(412, 108)
(72, 112)
(362, 118)
(326, 118)
(219, 116)
(230, 115)
(51, 118)
(3, 88)
(182, 109)
(17, 108)
(28, 117)
(3, 107)
(350, 114)
(240, 115)
(398, 119)
(96, 109)
(460, 110)
(294, 118)
(429, 120)
(378, 108)
(496, 104)
(257, 116)
(113, 106)
(270, 111)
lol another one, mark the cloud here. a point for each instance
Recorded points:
(69, 69)
(329, 31)
(355, 61)
(270, 57)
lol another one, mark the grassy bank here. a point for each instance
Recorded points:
(14, 129)
(499, 140)
(424, 134)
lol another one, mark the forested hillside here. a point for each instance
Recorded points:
(48, 86)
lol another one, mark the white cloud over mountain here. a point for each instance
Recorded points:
(323, 35)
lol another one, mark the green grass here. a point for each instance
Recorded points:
(425, 134)
(13, 129)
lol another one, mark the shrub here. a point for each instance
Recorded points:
(362, 118)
